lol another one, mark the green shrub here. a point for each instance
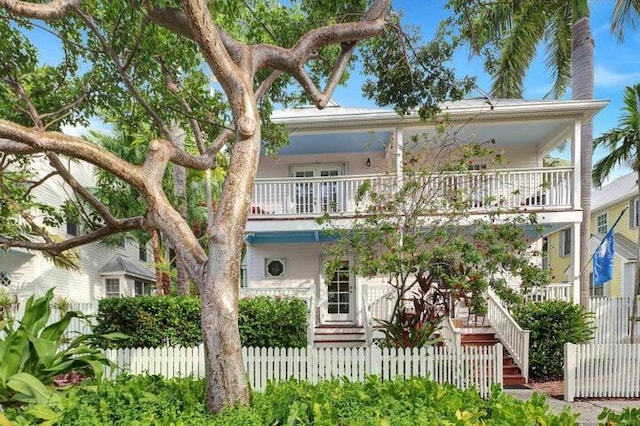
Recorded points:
(145, 400)
(552, 324)
(155, 321)
(273, 322)
(152, 321)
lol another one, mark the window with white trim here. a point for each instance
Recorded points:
(143, 288)
(634, 213)
(602, 224)
(274, 268)
(565, 242)
(73, 229)
(112, 288)
(143, 252)
(5, 278)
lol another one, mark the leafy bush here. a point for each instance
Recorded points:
(273, 322)
(34, 353)
(152, 400)
(151, 321)
(552, 324)
(628, 416)
(155, 321)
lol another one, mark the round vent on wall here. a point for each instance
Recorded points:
(274, 268)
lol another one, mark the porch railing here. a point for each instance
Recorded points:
(380, 301)
(512, 336)
(524, 189)
(554, 291)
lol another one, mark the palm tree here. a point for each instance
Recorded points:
(623, 145)
(509, 34)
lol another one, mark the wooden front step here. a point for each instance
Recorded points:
(339, 336)
(511, 374)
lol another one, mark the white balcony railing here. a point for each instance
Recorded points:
(523, 189)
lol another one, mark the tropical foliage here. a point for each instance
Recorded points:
(153, 400)
(34, 353)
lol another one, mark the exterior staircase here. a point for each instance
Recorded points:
(339, 336)
(484, 336)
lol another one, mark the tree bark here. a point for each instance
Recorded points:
(180, 194)
(582, 88)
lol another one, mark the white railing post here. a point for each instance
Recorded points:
(570, 366)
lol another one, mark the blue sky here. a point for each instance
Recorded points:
(616, 65)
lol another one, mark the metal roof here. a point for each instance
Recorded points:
(623, 188)
(122, 265)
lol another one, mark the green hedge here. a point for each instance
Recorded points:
(155, 321)
(552, 324)
(151, 400)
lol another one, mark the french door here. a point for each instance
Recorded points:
(318, 196)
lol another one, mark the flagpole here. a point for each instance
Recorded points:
(603, 240)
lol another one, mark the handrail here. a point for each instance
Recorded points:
(366, 320)
(512, 336)
(452, 337)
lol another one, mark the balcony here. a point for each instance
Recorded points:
(505, 189)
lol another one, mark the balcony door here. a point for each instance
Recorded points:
(318, 195)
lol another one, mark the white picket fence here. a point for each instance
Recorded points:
(601, 371)
(466, 367)
(77, 326)
(612, 319)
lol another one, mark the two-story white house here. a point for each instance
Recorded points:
(103, 271)
(333, 151)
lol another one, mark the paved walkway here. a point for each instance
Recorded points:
(589, 410)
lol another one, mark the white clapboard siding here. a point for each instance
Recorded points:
(465, 367)
(602, 371)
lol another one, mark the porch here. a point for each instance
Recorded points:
(519, 189)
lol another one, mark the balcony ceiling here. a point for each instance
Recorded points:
(512, 133)
(340, 142)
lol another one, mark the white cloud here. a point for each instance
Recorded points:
(610, 79)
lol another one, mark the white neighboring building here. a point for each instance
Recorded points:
(103, 271)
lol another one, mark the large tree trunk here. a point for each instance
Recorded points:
(226, 377)
(582, 88)
(180, 194)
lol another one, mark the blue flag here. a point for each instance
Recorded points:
(603, 261)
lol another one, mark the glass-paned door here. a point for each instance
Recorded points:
(330, 199)
(305, 199)
(318, 195)
(340, 300)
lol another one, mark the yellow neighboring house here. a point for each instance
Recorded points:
(606, 206)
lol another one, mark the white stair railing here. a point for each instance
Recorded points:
(451, 336)
(512, 336)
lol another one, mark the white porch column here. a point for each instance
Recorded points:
(247, 261)
(399, 156)
(575, 261)
(577, 164)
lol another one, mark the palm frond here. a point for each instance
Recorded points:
(558, 44)
(518, 49)
(625, 14)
